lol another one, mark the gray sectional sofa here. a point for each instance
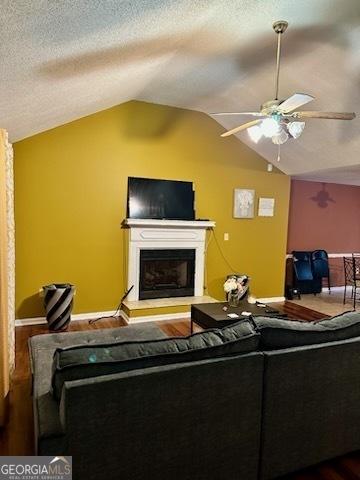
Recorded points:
(254, 400)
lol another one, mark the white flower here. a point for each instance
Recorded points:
(240, 286)
(236, 284)
(230, 285)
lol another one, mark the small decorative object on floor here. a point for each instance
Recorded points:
(58, 302)
(236, 288)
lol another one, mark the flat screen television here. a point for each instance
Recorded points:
(160, 199)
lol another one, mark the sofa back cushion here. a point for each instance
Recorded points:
(279, 333)
(84, 361)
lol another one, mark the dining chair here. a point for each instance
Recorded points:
(352, 276)
(320, 266)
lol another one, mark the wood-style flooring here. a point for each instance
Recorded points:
(17, 437)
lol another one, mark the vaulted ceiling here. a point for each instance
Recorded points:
(64, 59)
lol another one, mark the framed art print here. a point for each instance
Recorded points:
(266, 207)
(244, 201)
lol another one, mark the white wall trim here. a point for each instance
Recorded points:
(331, 255)
(143, 222)
(22, 322)
(271, 300)
(340, 255)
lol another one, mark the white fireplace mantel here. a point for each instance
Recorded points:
(140, 222)
(165, 234)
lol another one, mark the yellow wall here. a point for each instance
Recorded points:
(70, 198)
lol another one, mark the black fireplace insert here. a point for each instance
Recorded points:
(166, 273)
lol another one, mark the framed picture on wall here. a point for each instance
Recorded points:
(266, 207)
(244, 200)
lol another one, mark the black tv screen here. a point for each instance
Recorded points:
(160, 199)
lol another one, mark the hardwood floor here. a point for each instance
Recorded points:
(17, 437)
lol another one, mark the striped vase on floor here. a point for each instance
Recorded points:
(58, 302)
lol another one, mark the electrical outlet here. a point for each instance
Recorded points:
(226, 237)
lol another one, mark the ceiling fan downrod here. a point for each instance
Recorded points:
(279, 28)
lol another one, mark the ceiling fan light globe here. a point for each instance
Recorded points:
(296, 128)
(280, 138)
(255, 133)
(270, 127)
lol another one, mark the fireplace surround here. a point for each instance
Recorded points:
(148, 240)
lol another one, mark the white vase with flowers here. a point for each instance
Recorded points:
(236, 288)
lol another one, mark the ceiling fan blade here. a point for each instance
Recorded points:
(244, 126)
(329, 115)
(295, 101)
(253, 114)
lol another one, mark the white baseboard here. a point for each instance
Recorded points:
(331, 255)
(23, 322)
(271, 300)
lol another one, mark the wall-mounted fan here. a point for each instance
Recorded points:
(278, 119)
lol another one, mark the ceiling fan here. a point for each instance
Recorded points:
(279, 119)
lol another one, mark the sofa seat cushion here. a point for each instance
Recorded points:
(279, 333)
(85, 361)
(41, 350)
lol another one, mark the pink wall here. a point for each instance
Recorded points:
(325, 216)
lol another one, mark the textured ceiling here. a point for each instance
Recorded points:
(349, 175)
(63, 59)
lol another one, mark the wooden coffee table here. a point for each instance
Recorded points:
(213, 315)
